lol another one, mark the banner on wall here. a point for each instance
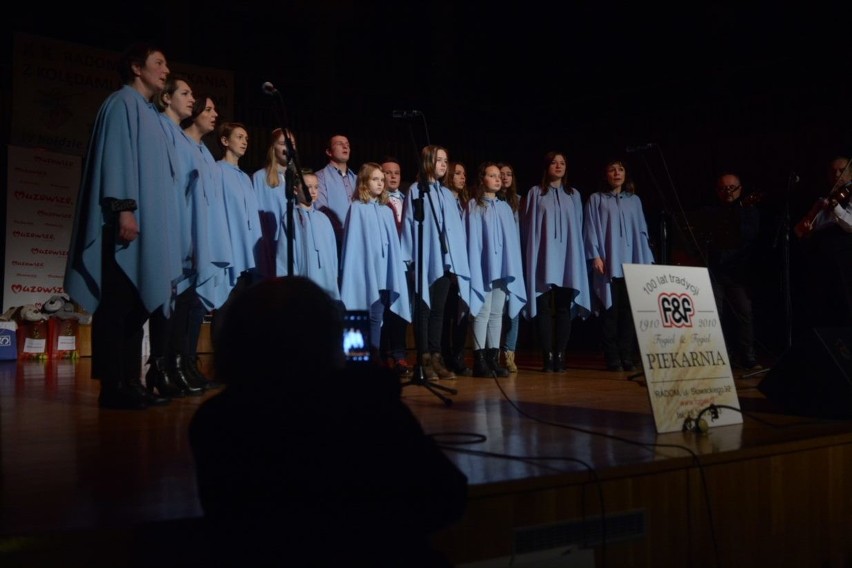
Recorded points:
(42, 192)
(58, 87)
(684, 356)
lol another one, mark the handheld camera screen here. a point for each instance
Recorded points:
(356, 336)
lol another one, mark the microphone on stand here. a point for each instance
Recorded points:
(268, 88)
(406, 113)
(640, 147)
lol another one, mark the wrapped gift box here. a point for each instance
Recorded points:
(8, 341)
(32, 339)
(63, 336)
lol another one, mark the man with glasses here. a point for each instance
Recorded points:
(731, 258)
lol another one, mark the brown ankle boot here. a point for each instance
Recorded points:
(510, 361)
(441, 369)
(426, 366)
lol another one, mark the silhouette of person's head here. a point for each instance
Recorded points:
(277, 328)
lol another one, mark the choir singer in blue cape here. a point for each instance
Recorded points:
(555, 264)
(496, 270)
(373, 274)
(125, 251)
(314, 243)
(444, 254)
(616, 233)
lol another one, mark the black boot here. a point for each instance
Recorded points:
(179, 379)
(480, 365)
(157, 378)
(559, 362)
(547, 362)
(459, 367)
(189, 365)
(492, 358)
(119, 396)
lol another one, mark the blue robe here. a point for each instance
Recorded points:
(314, 249)
(184, 174)
(371, 260)
(214, 291)
(272, 202)
(495, 252)
(616, 232)
(434, 262)
(128, 158)
(194, 206)
(243, 215)
(334, 199)
(552, 241)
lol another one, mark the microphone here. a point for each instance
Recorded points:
(406, 113)
(640, 147)
(268, 88)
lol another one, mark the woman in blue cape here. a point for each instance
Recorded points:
(554, 261)
(125, 251)
(615, 234)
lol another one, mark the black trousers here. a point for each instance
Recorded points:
(118, 322)
(169, 336)
(733, 302)
(554, 307)
(432, 317)
(454, 333)
(619, 335)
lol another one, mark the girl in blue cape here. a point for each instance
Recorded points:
(270, 183)
(511, 326)
(496, 270)
(241, 207)
(444, 255)
(373, 273)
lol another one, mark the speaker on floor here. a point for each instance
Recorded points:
(814, 377)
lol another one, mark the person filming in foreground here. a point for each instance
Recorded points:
(306, 460)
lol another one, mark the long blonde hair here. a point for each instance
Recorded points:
(363, 194)
(272, 163)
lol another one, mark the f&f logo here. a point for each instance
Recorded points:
(676, 310)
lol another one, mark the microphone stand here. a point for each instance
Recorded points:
(292, 176)
(291, 180)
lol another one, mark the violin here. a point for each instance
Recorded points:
(838, 196)
(753, 199)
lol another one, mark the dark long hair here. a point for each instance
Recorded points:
(545, 182)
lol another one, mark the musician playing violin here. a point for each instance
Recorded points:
(823, 264)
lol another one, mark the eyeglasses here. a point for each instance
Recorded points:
(730, 188)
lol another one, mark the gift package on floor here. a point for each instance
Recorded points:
(8, 341)
(62, 335)
(32, 339)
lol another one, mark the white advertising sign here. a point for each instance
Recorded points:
(684, 357)
(42, 191)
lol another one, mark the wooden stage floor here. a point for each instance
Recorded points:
(565, 469)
